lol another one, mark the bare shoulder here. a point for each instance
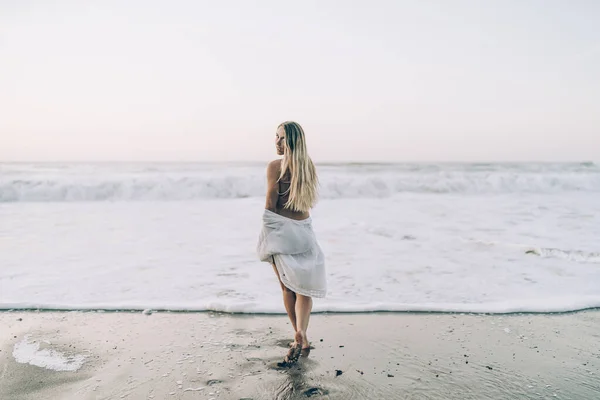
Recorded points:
(274, 167)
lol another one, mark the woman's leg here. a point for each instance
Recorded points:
(303, 309)
(289, 300)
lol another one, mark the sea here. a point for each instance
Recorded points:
(430, 237)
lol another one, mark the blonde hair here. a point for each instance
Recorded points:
(303, 190)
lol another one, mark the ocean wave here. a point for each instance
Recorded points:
(125, 189)
(333, 185)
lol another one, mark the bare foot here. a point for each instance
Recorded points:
(302, 340)
(302, 345)
(305, 352)
(291, 357)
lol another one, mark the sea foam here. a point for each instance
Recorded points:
(89, 182)
(525, 252)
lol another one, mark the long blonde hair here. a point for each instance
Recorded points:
(303, 190)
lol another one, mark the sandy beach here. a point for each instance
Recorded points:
(209, 355)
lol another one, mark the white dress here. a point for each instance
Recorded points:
(298, 256)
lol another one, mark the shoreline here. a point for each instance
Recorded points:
(233, 356)
(236, 313)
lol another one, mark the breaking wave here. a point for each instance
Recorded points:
(339, 181)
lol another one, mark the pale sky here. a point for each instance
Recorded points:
(420, 80)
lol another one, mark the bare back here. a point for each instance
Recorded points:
(278, 194)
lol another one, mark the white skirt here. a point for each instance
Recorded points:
(298, 256)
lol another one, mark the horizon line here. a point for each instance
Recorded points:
(533, 161)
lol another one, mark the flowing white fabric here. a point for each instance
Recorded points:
(298, 256)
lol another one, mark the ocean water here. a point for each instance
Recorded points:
(399, 237)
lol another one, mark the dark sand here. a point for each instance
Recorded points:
(355, 356)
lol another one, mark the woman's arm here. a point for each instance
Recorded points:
(273, 171)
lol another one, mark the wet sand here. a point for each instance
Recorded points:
(355, 356)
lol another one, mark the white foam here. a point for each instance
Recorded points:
(398, 254)
(538, 305)
(572, 255)
(108, 182)
(28, 352)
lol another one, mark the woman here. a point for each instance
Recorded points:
(287, 239)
